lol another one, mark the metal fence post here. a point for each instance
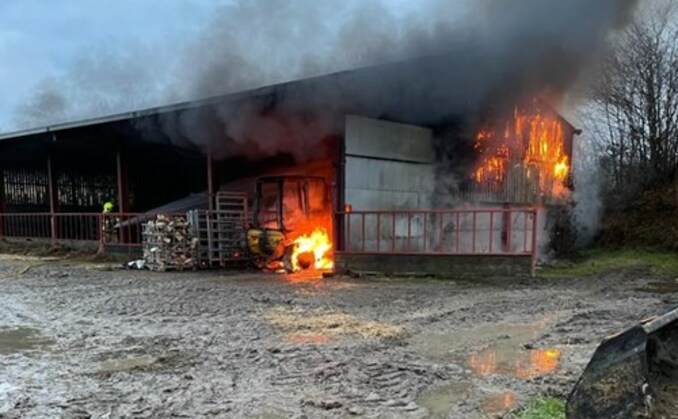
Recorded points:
(534, 242)
(53, 199)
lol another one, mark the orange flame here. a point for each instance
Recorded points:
(533, 143)
(318, 244)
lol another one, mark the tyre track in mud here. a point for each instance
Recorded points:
(200, 345)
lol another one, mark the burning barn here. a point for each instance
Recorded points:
(358, 170)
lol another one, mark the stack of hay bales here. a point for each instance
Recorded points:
(169, 244)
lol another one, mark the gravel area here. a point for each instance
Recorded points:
(84, 340)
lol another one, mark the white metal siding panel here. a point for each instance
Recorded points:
(380, 184)
(387, 140)
(388, 167)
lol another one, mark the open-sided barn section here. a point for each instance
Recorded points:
(398, 178)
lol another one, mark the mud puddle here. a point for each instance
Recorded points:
(491, 349)
(508, 359)
(501, 338)
(440, 401)
(498, 404)
(21, 339)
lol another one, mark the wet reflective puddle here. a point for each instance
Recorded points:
(515, 361)
(21, 339)
(441, 400)
(499, 404)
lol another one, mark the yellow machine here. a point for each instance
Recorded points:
(266, 243)
(284, 207)
(632, 374)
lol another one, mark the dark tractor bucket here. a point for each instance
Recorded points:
(631, 375)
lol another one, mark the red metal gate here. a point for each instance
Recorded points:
(463, 232)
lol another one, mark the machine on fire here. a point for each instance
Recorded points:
(286, 209)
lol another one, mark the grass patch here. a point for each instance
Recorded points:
(598, 261)
(543, 408)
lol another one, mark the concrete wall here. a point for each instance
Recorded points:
(437, 265)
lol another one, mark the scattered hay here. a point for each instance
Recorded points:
(313, 323)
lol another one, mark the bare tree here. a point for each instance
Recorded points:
(636, 99)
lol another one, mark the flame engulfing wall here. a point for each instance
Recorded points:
(526, 158)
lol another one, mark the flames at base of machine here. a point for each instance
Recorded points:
(312, 250)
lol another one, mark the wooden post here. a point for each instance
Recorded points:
(53, 198)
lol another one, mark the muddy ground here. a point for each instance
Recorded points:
(78, 340)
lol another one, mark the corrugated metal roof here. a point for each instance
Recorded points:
(384, 91)
(180, 106)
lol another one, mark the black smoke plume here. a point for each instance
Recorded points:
(461, 57)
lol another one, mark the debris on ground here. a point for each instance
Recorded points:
(136, 264)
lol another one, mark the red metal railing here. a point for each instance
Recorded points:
(113, 229)
(477, 231)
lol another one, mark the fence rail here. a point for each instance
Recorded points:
(113, 229)
(477, 231)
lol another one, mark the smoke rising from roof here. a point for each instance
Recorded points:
(488, 49)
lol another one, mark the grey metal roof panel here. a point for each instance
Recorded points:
(373, 91)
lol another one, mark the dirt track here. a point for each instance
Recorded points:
(76, 341)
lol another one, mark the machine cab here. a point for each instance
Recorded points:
(290, 203)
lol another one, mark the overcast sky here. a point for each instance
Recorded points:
(86, 58)
(44, 38)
